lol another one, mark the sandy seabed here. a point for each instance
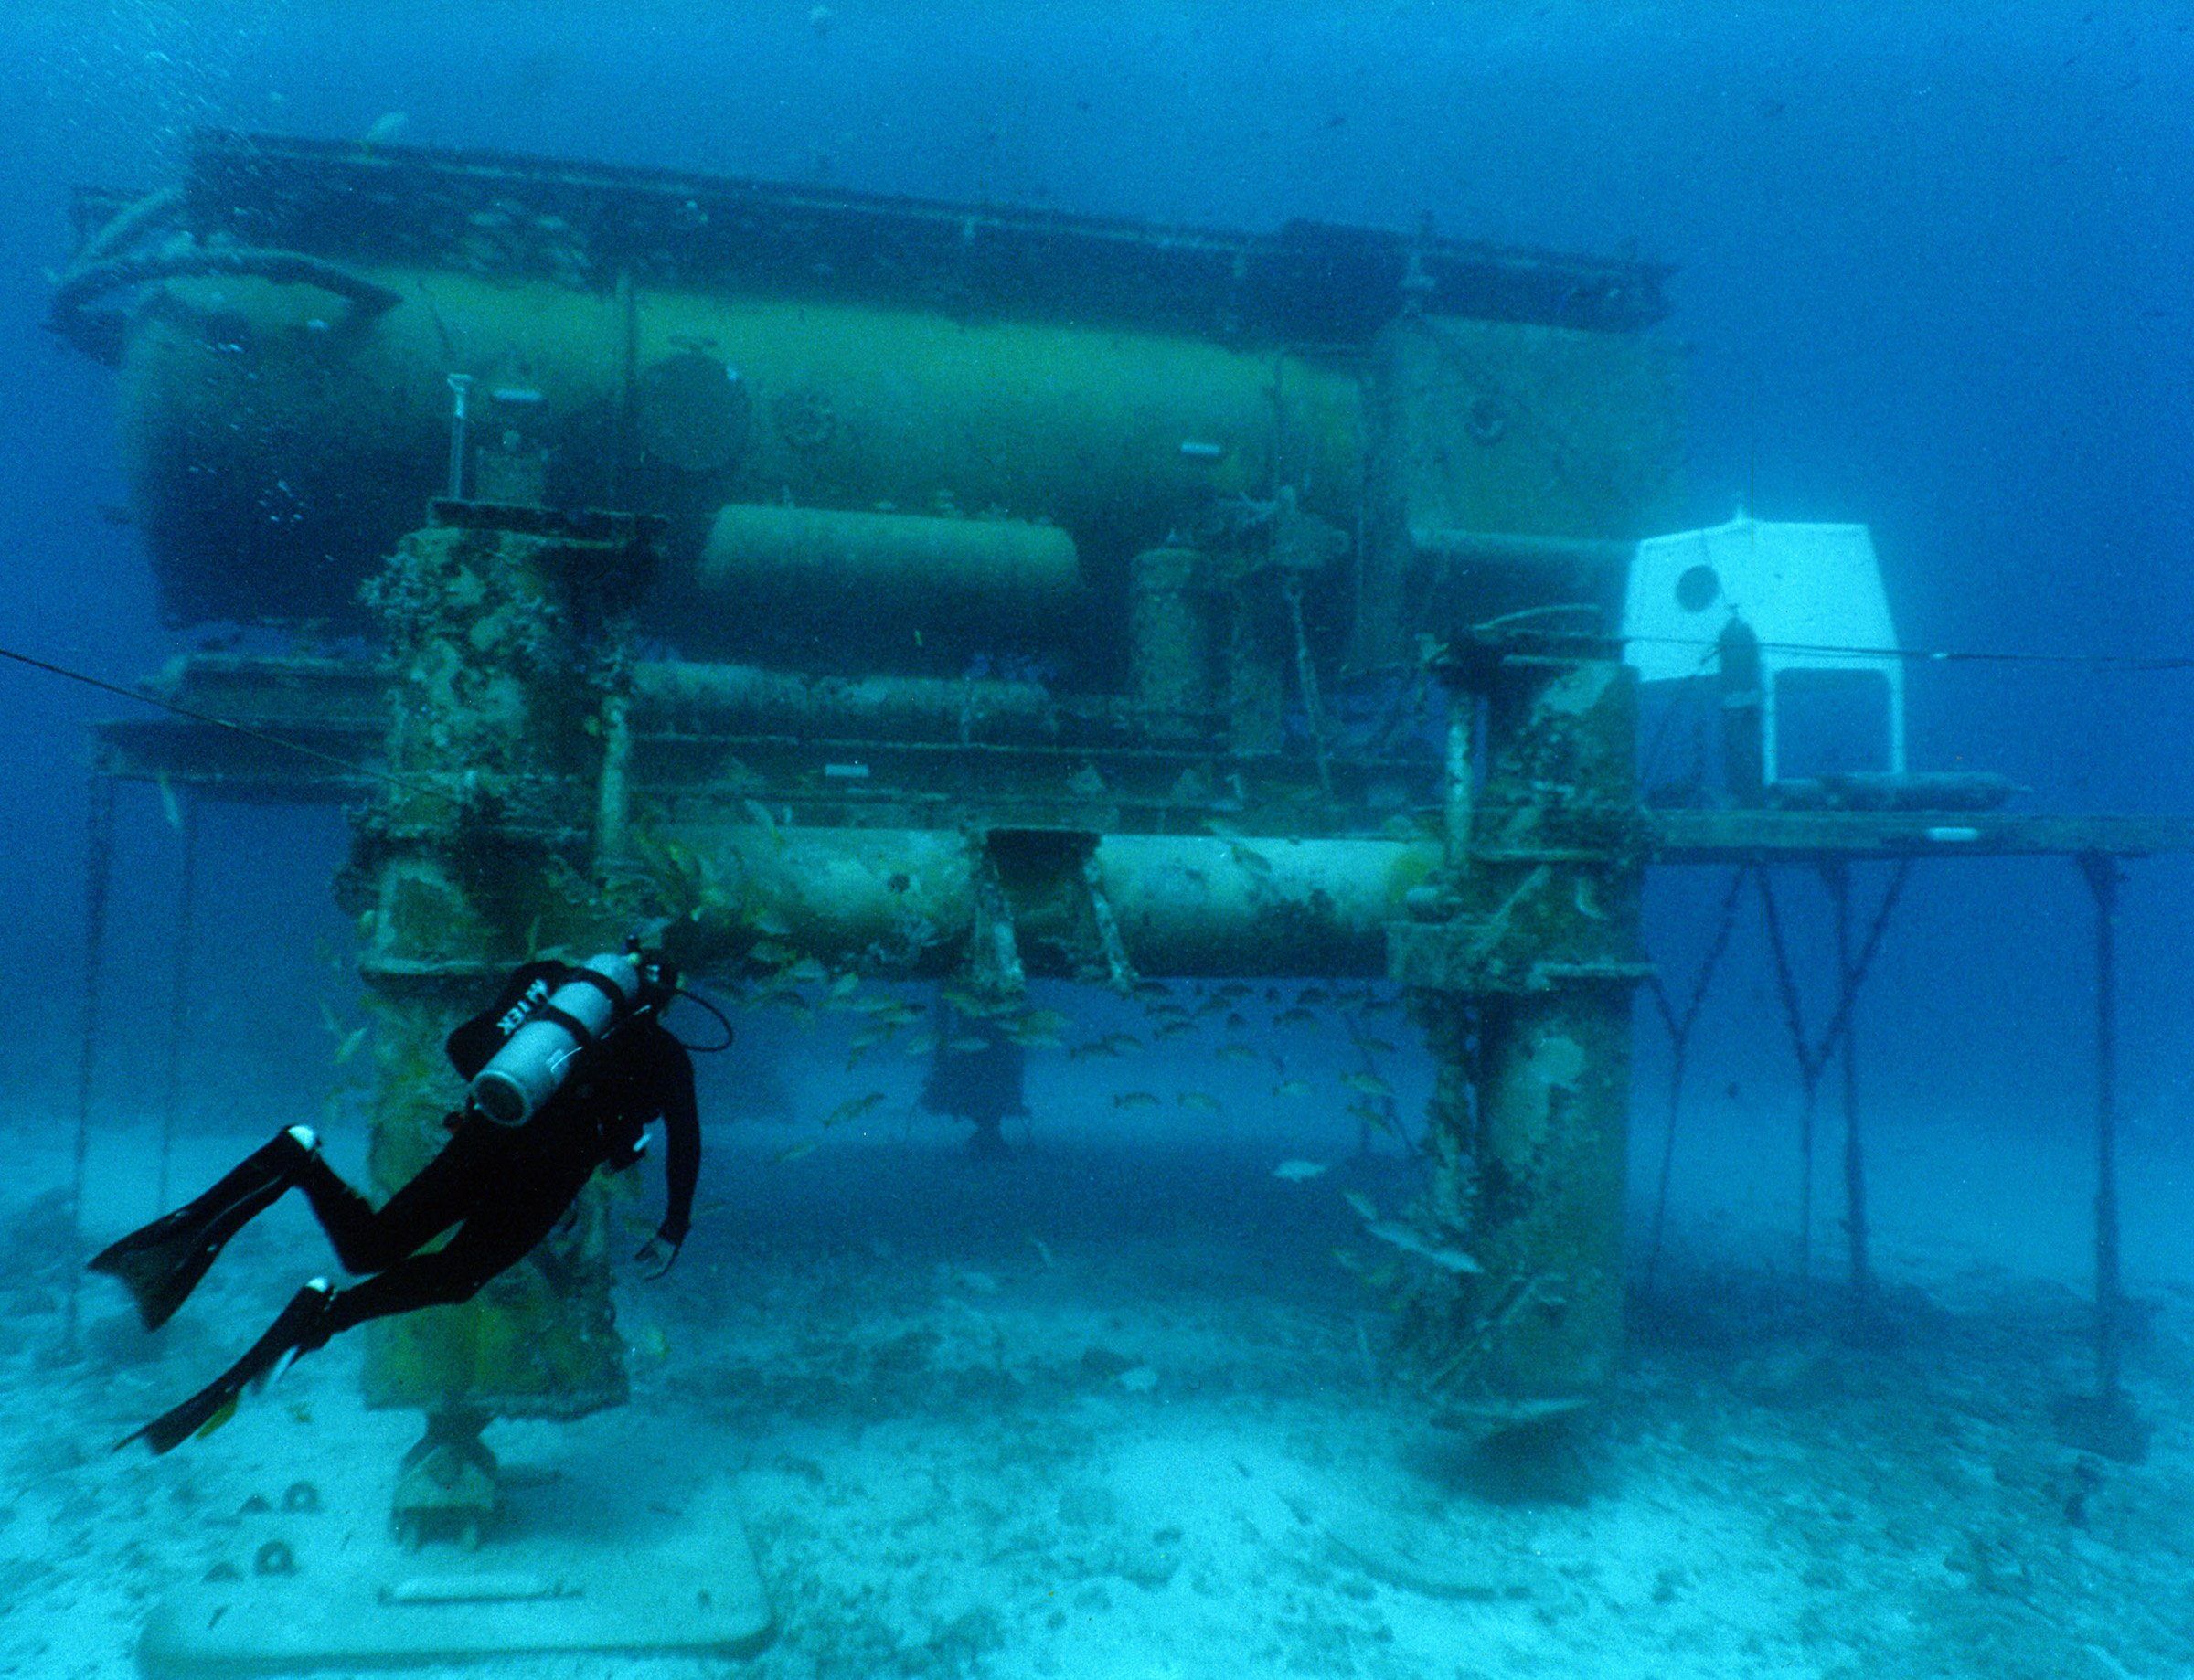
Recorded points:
(1112, 1412)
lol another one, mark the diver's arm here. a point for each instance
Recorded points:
(682, 1138)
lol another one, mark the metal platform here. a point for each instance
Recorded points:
(252, 712)
(1305, 283)
(1798, 836)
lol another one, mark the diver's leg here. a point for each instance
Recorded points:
(366, 1238)
(526, 1205)
(162, 1263)
(304, 1324)
(528, 1199)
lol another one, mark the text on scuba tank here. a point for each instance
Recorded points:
(534, 996)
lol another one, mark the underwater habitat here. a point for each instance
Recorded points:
(1153, 840)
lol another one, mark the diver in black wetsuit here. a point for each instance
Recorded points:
(572, 1092)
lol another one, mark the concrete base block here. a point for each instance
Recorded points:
(567, 1569)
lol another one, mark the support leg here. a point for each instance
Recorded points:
(98, 872)
(178, 995)
(2105, 1422)
(1838, 879)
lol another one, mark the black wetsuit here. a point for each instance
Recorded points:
(506, 1187)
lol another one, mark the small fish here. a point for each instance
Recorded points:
(168, 804)
(1171, 1029)
(226, 1411)
(1369, 1085)
(1202, 1102)
(1407, 1240)
(1134, 1099)
(384, 129)
(806, 1147)
(759, 814)
(1378, 1047)
(1292, 1087)
(1043, 1252)
(1297, 1016)
(1120, 1043)
(1372, 1116)
(923, 1043)
(853, 1108)
(1234, 1053)
(875, 1035)
(349, 1046)
(1366, 1208)
(844, 985)
(1313, 997)
(1297, 1172)
(301, 1411)
(1233, 989)
(977, 1005)
(808, 971)
(652, 1343)
(1252, 862)
(771, 924)
(1237, 1022)
(967, 1043)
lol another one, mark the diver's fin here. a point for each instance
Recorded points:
(302, 1327)
(162, 1263)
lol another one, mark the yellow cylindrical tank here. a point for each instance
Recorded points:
(903, 902)
(884, 578)
(279, 440)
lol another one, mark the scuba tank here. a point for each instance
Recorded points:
(548, 1035)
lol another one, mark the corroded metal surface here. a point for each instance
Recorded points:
(479, 852)
(1520, 959)
(1308, 280)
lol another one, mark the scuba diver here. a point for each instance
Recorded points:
(563, 1075)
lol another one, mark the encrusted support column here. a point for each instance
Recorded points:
(1522, 961)
(507, 691)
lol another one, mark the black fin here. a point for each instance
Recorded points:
(300, 1328)
(163, 1262)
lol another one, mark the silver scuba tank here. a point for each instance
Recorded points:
(526, 1072)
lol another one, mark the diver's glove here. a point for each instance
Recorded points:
(656, 1256)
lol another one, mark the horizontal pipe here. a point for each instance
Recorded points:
(882, 579)
(902, 902)
(681, 697)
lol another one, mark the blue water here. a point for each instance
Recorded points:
(1930, 276)
(1932, 270)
